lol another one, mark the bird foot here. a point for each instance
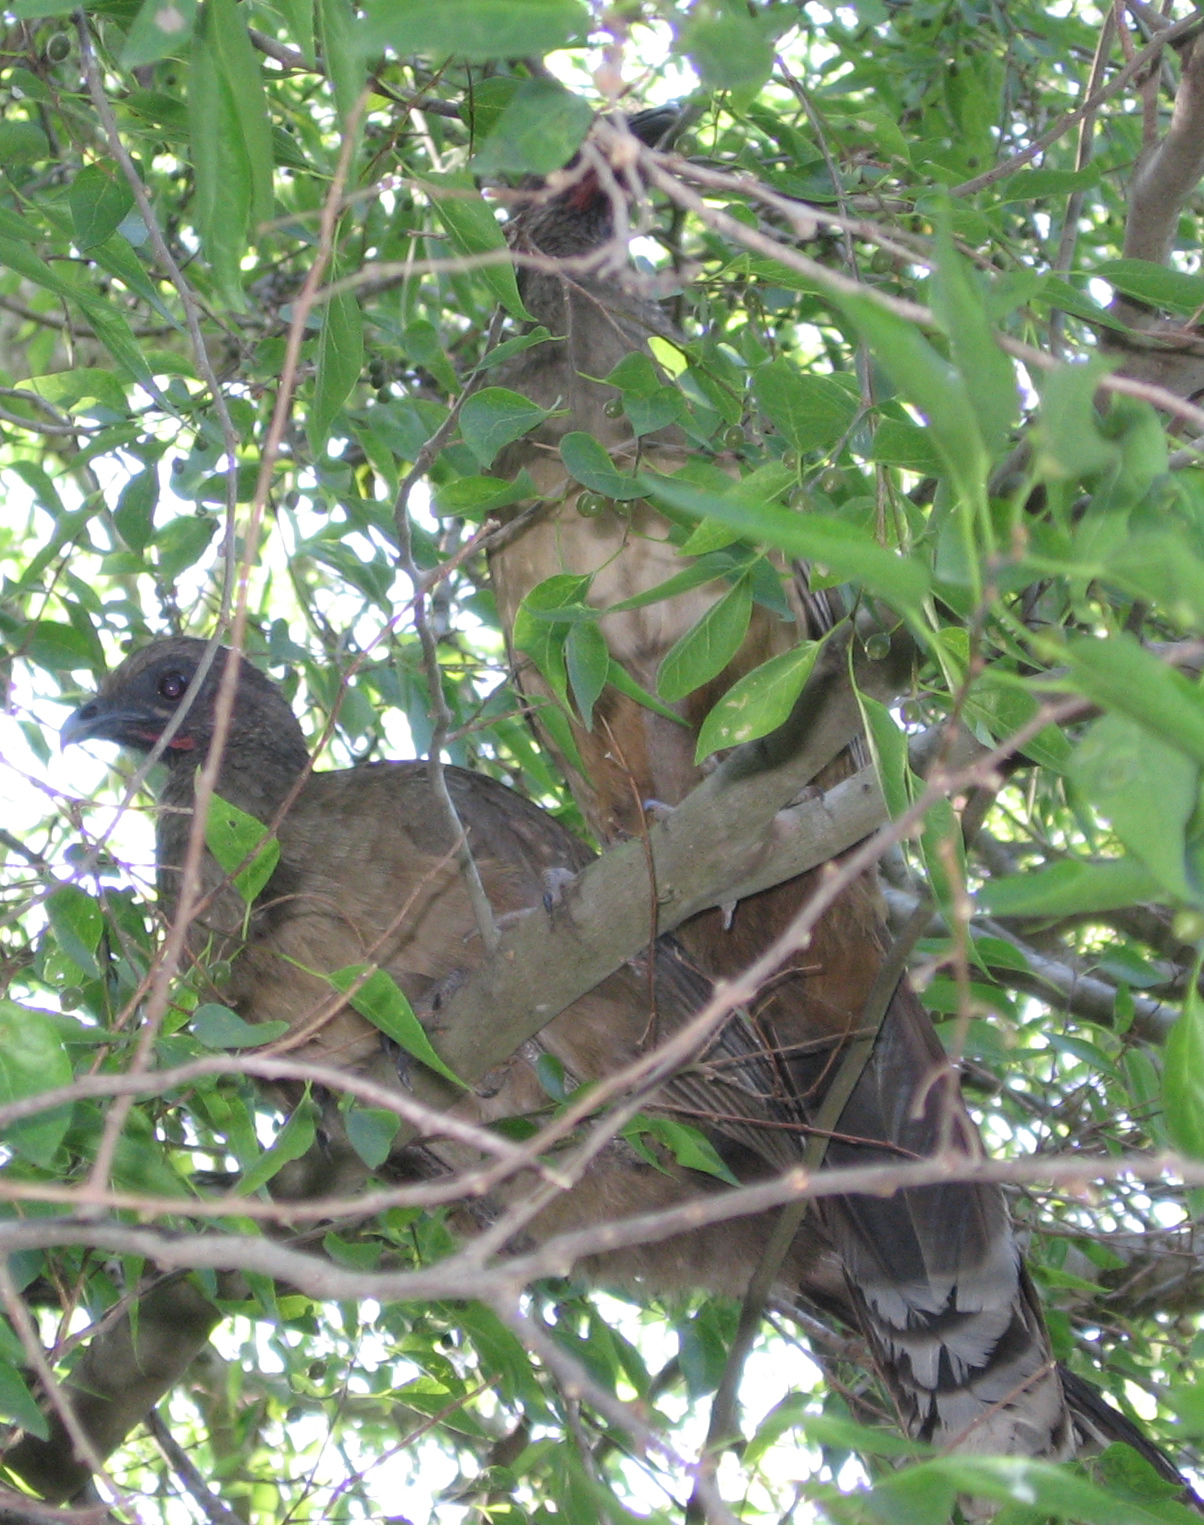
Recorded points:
(555, 882)
(658, 810)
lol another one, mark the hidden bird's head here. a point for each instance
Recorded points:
(137, 702)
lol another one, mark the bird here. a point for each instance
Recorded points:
(934, 1276)
(366, 871)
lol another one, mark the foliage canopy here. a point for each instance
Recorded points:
(938, 324)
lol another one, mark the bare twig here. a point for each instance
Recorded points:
(421, 583)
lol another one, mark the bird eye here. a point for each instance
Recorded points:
(172, 685)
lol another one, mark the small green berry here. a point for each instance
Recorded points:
(877, 646)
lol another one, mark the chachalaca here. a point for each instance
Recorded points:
(366, 872)
(935, 1275)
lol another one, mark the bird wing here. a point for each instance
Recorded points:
(367, 874)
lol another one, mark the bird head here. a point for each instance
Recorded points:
(580, 218)
(139, 699)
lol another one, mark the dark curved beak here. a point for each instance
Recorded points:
(99, 720)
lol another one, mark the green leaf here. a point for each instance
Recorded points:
(648, 403)
(540, 128)
(935, 387)
(1041, 1486)
(493, 417)
(299, 18)
(161, 29)
(475, 498)
(473, 229)
(232, 835)
(730, 49)
(231, 142)
(907, 446)
(1068, 440)
(1149, 791)
(99, 199)
(888, 747)
(759, 702)
(1003, 705)
(108, 324)
(810, 411)
(77, 922)
(542, 641)
(22, 143)
(1161, 567)
(371, 1131)
(241, 73)
(134, 515)
(846, 551)
(340, 361)
(295, 1139)
(988, 374)
(423, 344)
(181, 543)
(635, 376)
(1120, 674)
(1036, 184)
(222, 204)
(706, 569)
(1155, 284)
(704, 651)
(81, 386)
(1070, 888)
(341, 51)
(17, 1402)
(474, 30)
(117, 256)
(500, 353)
(58, 647)
(35, 10)
(687, 1145)
(618, 677)
(835, 1431)
(33, 1059)
(1183, 1074)
(587, 661)
(588, 462)
(218, 1027)
(383, 1002)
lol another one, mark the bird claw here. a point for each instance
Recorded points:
(658, 810)
(555, 881)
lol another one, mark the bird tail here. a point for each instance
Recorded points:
(934, 1272)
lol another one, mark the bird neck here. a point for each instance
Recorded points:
(257, 774)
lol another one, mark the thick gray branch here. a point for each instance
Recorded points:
(123, 1373)
(1055, 981)
(1169, 174)
(723, 840)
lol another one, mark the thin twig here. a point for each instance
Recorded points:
(441, 714)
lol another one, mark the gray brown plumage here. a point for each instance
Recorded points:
(935, 1275)
(366, 872)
